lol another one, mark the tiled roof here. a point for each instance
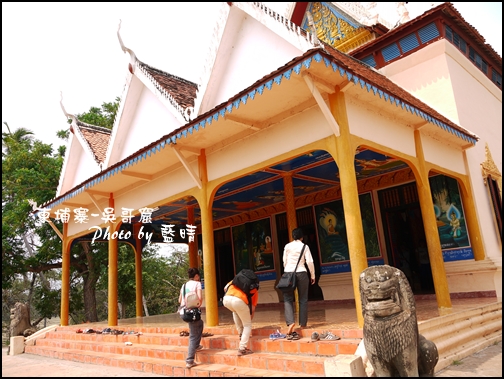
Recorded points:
(448, 10)
(97, 139)
(182, 90)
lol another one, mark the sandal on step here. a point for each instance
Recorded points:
(205, 334)
(293, 336)
(244, 352)
(290, 328)
(184, 333)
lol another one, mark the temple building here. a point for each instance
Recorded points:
(379, 134)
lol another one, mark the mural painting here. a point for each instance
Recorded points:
(261, 245)
(450, 218)
(332, 230)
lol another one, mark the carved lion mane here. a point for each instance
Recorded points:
(393, 345)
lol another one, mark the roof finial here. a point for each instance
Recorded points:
(125, 49)
(68, 115)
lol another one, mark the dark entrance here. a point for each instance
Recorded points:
(305, 220)
(224, 269)
(405, 236)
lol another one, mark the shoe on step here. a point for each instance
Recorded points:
(244, 352)
(191, 365)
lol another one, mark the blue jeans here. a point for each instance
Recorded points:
(195, 332)
(302, 284)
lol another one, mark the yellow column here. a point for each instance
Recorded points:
(212, 310)
(290, 208)
(431, 229)
(193, 247)
(112, 271)
(65, 276)
(138, 271)
(112, 277)
(345, 154)
(471, 219)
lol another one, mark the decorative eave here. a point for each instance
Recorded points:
(354, 72)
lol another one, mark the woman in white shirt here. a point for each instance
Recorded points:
(290, 258)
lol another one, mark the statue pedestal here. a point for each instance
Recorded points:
(344, 365)
(16, 345)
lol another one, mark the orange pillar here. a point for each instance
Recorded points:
(65, 277)
(290, 205)
(211, 305)
(112, 270)
(138, 270)
(350, 197)
(431, 229)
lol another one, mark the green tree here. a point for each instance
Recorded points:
(103, 116)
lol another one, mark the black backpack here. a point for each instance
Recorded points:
(246, 280)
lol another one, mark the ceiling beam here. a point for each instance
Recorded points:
(137, 175)
(194, 150)
(95, 202)
(184, 162)
(322, 104)
(240, 121)
(346, 85)
(321, 84)
(98, 193)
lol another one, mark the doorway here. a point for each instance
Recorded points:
(224, 267)
(405, 236)
(305, 220)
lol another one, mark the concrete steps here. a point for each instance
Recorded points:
(163, 351)
(461, 334)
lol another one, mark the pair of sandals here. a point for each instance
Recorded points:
(88, 331)
(294, 336)
(114, 332)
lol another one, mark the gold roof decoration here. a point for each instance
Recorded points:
(335, 28)
(489, 168)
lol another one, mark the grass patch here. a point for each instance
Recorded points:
(456, 363)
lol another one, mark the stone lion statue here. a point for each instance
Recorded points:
(20, 321)
(391, 339)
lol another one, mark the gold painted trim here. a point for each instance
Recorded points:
(489, 168)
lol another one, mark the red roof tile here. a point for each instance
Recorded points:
(183, 91)
(97, 139)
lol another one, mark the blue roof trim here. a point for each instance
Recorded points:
(251, 96)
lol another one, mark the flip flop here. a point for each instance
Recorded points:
(184, 333)
(290, 328)
(205, 334)
(293, 336)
